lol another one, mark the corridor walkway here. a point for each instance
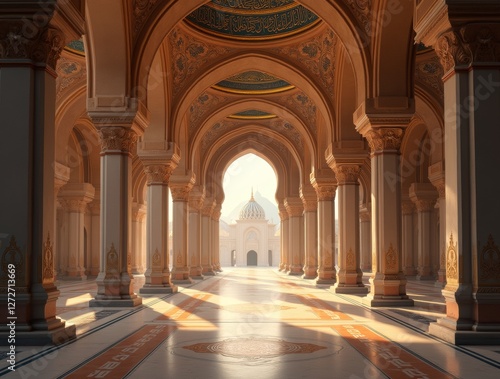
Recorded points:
(253, 323)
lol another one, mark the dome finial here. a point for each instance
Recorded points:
(251, 196)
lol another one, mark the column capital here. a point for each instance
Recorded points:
(436, 176)
(384, 139)
(309, 199)
(208, 208)
(158, 173)
(424, 196)
(74, 197)
(407, 207)
(282, 211)
(294, 206)
(364, 214)
(196, 198)
(216, 213)
(21, 39)
(138, 211)
(116, 139)
(347, 173)
(61, 176)
(180, 191)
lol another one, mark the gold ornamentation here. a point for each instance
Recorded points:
(159, 173)
(347, 173)
(384, 139)
(391, 258)
(350, 260)
(452, 260)
(117, 139)
(489, 261)
(156, 260)
(48, 261)
(112, 263)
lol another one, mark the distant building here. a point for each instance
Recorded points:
(251, 241)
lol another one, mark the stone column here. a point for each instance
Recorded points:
(196, 199)
(159, 162)
(409, 255)
(469, 54)
(180, 196)
(384, 135)
(295, 248)
(61, 177)
(95, 209)
(206, 237)
(365, 238)
(215, 238)
(424, 196)
(28, 59)
(326, 230)
(437, 178)
(310, 202)
(350, 276)
(115, 280)
(74, 198)
(138, 215)
(284, 266)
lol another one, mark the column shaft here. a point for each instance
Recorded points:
(180, 269)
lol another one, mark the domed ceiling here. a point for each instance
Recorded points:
(252, 19)
(253, 83)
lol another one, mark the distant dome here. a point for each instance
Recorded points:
(252, 211)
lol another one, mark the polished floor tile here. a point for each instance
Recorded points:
(254, 323)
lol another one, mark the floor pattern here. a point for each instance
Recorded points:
(252, 322)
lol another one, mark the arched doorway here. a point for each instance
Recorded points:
(252, 258)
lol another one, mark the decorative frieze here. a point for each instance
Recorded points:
(117, 139)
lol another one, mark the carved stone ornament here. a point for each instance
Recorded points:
(47, 261)
(112, 263)
(384, 139)
(391, 258)
(407, 207)
(117, 139)
(452, 260)
(283, 215)
(74, 205)
(13, 255)
(207, 210)
(196, 203)
(452, 51)
(347, 174)
(425, 205)
(325, 192)
(156, 260)
(489, 262)
(158, 174)
(142, 9)
(365, 216)
(483, 41)
(180, 192)
(41, 45)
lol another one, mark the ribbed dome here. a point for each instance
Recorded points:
(252, 211)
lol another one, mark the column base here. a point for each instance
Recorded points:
(463, 337)
(296, 270)
(157, 290)
(56, 336)
(111, 303)
(325, 281)
(350, 289)
(183, 281)
(388, 301)
(310, 276)
(310, 272)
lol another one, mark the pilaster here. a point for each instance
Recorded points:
(196, 199)
(27, 75)
(160, 159)
(424, 197)
(365, 237)
(437, 178)
(207, 237)
(295, 209)
(284, 264)
(180, 188)
(347, 169)
(409, 252)
(310, 203)
(382, 122)
(138, 216)
(74, 198)
(215, 237)
(325, 189)
(466, 38)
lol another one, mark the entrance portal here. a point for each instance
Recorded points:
(252, 258)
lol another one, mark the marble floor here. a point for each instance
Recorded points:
(253, 323)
